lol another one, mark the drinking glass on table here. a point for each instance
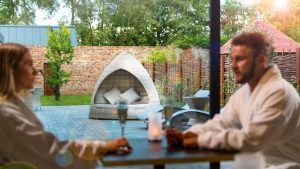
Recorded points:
(122, 108)
(167, 110)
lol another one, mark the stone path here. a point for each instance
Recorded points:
(71, 122)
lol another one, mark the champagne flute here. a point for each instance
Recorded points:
(122, 108)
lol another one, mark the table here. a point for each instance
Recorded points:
(158, 154)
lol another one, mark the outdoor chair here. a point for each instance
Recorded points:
(36, 98)
(33, 99)
(123, 78)
(198, 101)
(183, 117)
(28, 99)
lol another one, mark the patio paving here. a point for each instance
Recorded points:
(71, 122)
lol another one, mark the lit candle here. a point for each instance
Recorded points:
(155, 126)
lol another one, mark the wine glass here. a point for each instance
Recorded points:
(122, 109)
(167, 110)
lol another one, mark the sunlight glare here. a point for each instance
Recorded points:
(280, 5)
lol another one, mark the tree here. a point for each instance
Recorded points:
(59, 52)
(234, 15)
(140, 22)
(287, 21)
(23, 11)
(151, 22)
(72, 4)
(83, 16)
(86, 13)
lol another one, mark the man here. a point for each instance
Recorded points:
(263, 115)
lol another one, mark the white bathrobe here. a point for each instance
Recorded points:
(266, 119)
(23, 138)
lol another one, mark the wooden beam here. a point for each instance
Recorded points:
(153, 72)
(48, 90)
(165, 77)
(222, 62)
(298, 66)
(180, 80)
(199, 73)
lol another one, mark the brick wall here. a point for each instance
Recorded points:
(89, 62)
(87, 65)
(286, 62)
(189, 75)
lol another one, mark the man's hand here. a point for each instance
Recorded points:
(190, 140)
(120, 144)
(174, 137)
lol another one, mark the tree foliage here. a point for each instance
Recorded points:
(142, 22)
(23, 11)
(164, 54)
(59, 52)
(287, 21)
(151, 22)
(234, 16)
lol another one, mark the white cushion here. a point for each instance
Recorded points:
(130, 95)
(113, 95)
(99, 98)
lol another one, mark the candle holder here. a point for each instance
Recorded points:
(155, 126)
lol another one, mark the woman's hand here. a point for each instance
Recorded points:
(120, 144)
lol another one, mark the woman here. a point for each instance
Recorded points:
(22, 135)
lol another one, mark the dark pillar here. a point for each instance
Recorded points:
(214, 57)
(159, 166)
(214, 165)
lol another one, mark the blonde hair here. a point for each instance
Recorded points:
(10, 55)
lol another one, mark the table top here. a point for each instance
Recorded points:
(158, 153)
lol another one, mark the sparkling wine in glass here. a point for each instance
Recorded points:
(122, 108)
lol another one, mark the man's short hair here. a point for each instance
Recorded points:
(256, 41)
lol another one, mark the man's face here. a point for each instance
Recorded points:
(243, 63)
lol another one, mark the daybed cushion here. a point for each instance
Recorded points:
(113, 95)
(130, 95)
(99, 98)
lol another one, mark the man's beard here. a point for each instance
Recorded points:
(248, 75)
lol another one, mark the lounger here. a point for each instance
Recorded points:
(184, 119)
(198, 101)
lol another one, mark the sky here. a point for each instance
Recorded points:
(63, 14)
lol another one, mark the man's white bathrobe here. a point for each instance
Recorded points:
(266, 119)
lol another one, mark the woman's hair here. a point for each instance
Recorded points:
(10, 55)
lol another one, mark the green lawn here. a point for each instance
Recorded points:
(66, 100)
(76, 100)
